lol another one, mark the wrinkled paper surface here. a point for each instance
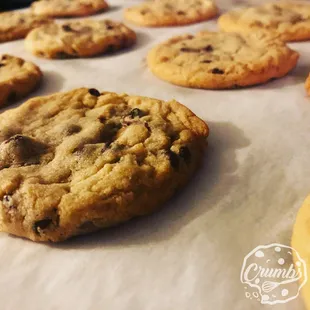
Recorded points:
(189, 255)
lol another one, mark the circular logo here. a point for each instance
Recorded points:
(269, 275)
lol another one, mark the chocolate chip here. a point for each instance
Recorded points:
(20, 151)
(72, 129)
(181, 13)
(206, 61)
(94, 92)
(41, 225)
(217, 71)
(208, 48)
(136, 113)
(110, 27)
(102, 119)
(4, 57)
(185, 153)
(174, 159)
(66, 28)
(21, 20)
(189, 50)
(143, 12)
(2, 65)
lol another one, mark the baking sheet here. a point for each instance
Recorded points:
(189, 255)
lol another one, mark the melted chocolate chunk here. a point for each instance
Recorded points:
(67, 28)
(94, 92)
(174, 159)
(181, 13)
(208, 48)
(217, 71)
(2, 65)
(136, 113)
(185, 153)
(41, 225)
(20, 151)
(72, 129)
(206, 61)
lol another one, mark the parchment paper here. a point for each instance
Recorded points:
(189, 255)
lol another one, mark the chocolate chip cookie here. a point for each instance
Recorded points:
(16, 25)
(307, 85)
(289, 20)
(17, 78)
(217, 60)
(157, 13)
(68, 8)
(82, 38)
(75, 162)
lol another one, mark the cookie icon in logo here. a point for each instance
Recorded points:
(269, 276)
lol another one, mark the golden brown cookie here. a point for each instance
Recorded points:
(289, 20)
(17, 78)
(75, 162)
(68, 8)
(300, 242)
(16, 25)
(81, 38)
(158, 13)
(218, 60)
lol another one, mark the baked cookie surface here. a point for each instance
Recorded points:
(307, 85)
(83, 38)
(289, 20)
(218, 60)
(17, 78)
(300, 242)
(75, 162)
(16, 25)
(67, 8)
(159, 13)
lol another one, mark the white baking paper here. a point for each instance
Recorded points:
(189, 255)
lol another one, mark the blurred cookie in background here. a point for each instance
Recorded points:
(17, 78)
(68, 8)
(158, 13)
(289, 20)
(83, 38)
(220, 60)
(16, 25)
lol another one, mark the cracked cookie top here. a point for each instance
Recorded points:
(74, 162)
(81, 38)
